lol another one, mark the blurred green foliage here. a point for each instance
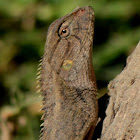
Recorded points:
(23, 27)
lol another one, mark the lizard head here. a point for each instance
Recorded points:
(69, 45)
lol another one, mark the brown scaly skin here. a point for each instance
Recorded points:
(67, 79)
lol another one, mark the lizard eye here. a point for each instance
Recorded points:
(63, 32)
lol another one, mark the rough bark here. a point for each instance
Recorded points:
(123, 112)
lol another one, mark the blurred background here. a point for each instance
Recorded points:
(23, 28)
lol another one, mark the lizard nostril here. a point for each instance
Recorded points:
(81, 12)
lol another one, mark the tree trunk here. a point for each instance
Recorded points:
(122, 120)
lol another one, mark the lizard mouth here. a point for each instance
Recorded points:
(89, 26)
(90, 16)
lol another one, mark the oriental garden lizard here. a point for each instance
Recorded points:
(67, 80)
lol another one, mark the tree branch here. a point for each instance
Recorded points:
(123, 112)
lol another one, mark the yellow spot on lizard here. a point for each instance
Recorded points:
(67, 64)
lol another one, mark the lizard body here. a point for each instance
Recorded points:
(67, 79)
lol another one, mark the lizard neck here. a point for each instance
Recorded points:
(85, 78)
(82, 74)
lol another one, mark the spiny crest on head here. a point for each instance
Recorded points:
(39, 76)
(39, 91)
(41, 131)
